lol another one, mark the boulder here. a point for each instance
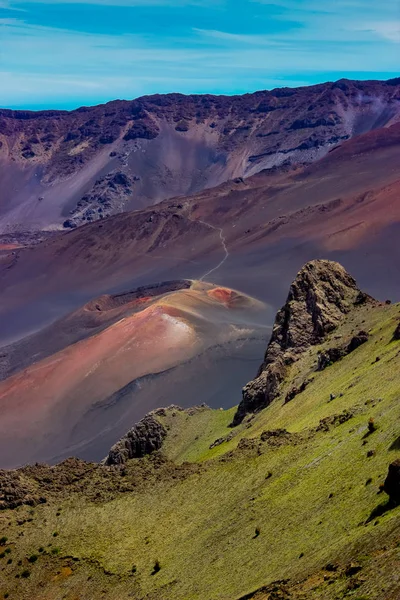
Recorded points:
(145, 437)
(332, 355)
(392, 482)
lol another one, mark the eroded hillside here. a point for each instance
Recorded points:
(77, 167)
(289, 504)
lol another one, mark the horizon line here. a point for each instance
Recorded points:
(82, 107)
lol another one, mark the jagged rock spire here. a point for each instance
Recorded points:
(319, 297)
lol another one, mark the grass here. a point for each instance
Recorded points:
(250, 515)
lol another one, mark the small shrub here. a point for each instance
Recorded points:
(2, 555)
(371, 425)
(257, 531)
(55, 533)
(25, 573)
(9, 561)
(33, 558)
(134, 569)
(157, 567)
(3, 540)
(369, 480)
(55, 550)
(41, 549)
(6, 595)
(7, 550)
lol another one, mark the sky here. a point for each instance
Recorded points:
(69, 53)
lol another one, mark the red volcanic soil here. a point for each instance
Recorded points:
(9, 246)
(47, 402)
(228, 297)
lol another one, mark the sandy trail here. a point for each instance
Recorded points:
(223, 242)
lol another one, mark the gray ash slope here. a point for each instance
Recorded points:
(54, 163)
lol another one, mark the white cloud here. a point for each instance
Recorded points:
(389, 30)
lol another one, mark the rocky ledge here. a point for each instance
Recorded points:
(319, 298)
(144, 438)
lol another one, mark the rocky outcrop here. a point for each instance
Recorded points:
(392, 482)
(144, 438)
(108, 195)
(396, 334)
(332, 355)
(16, 491)
(319, 298)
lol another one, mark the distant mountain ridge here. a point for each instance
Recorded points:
(76, 167)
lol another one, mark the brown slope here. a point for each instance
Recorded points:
(343, 207)
(54, 165)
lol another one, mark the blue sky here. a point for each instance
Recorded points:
(68, 53)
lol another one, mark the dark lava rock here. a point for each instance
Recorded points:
(146, 129)
(319, 298)
(330, 121)
(392, 482)
(332, 355)
(15, 491)
(144, 438)
(294, 391)
(69, 224)
(182, 126)
(352, 569)
(220, 441)
(334, 421)
(357, 341)
(396, 335)
(119, 178)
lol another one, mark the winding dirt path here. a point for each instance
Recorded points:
(223, 242)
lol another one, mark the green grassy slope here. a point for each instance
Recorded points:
(309, 493)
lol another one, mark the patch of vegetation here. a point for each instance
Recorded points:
(199, 522)
(157, 567)
(33, 558)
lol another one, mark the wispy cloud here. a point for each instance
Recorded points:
(238, 38)
(250, 45)
(389, 30)
(12, 3)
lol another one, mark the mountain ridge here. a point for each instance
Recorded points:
(171, 145)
